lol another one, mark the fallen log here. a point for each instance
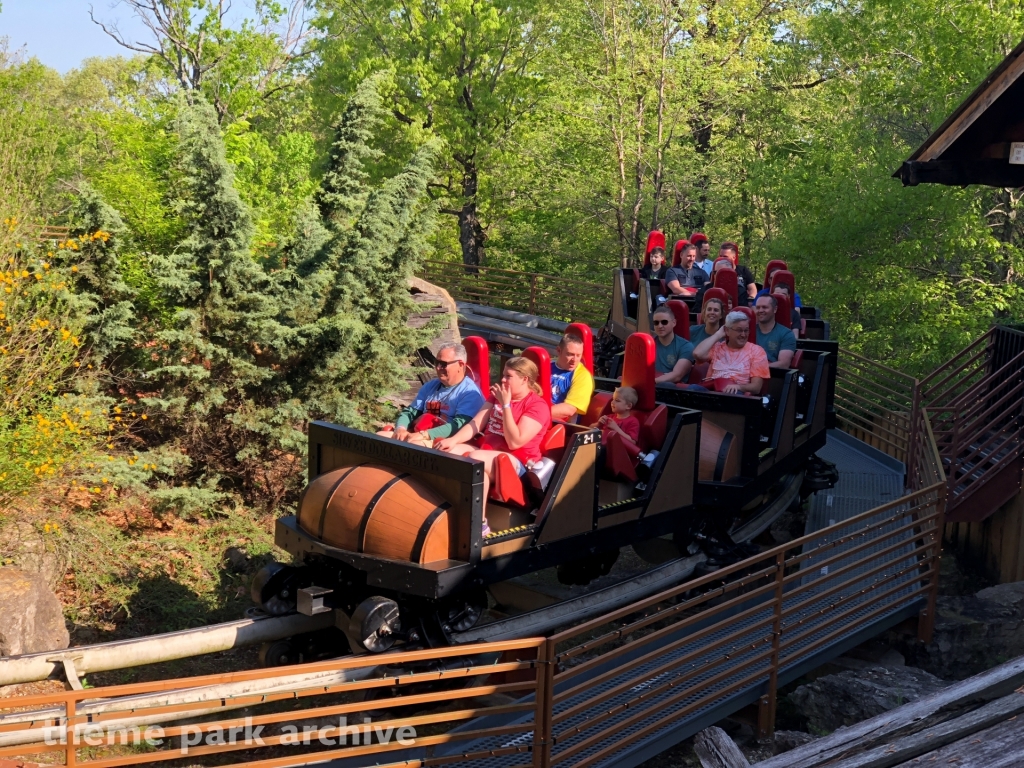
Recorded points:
(122, 654)
(937, 736)
(954, 701)
(716, 750)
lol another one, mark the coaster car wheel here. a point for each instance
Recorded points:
(275, 588)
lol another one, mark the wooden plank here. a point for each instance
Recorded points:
(966, 119)
(716, 750)
(931, 739)
(997, 747)
(906, 720)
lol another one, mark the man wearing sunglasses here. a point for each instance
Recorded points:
(674, 356)
(442, 406)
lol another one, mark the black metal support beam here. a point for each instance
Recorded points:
(992, 173)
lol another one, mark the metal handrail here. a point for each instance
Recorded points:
(953, 365)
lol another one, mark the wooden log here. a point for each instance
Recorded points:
(937, 736)
(716, 750)
(907, 720)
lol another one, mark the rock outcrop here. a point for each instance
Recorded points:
(834, 701)
(27, 548)
(972, 633)
(31, 619)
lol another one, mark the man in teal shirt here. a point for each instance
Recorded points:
(674, 356)
(776, 341)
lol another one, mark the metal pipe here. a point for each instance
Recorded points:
(523, 332)
(521, 318)
(122, 654)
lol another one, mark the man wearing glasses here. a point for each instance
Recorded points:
(674, 356)
(442, 406)
(737, 367)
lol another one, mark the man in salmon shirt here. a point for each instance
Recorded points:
(737, 367)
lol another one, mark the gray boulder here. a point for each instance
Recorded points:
(834, 701)
(972, 633)
(22, 543)
(31, 618)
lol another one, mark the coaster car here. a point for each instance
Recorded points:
(389, 534)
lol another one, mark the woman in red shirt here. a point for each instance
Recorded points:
(514, 420)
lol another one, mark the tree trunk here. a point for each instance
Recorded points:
(471, 231)
(701, 128)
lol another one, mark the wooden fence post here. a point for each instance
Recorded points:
(912, 439)
(542, 728)
(533, 294)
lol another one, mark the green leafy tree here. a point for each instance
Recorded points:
(465, 70)
(906, 275)
(237, 68)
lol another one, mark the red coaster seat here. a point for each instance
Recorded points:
(655, 239)
(774, 264)
(787, 277)
(682, 313)
(728, 281)
(698, 373)
(715, 293)
(478, 361)
(784, 313)
(677, 252)
(584, 332)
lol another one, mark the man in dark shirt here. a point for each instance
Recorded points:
(731, 251)
(686, 275)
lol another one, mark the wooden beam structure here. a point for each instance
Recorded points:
(975, 144)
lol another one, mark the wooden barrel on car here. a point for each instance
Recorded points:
(719, 453)
(376, 510)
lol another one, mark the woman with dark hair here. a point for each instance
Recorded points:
(514, 420)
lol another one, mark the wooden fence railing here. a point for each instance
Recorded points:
(546, 295)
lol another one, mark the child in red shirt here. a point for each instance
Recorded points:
(621, 420)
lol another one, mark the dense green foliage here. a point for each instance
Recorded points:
(244, 202)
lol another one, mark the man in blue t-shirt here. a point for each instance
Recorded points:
(674, 355)
(776, 340)
(443, 405)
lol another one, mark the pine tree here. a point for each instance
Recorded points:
(251, 356)
(101, 295)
